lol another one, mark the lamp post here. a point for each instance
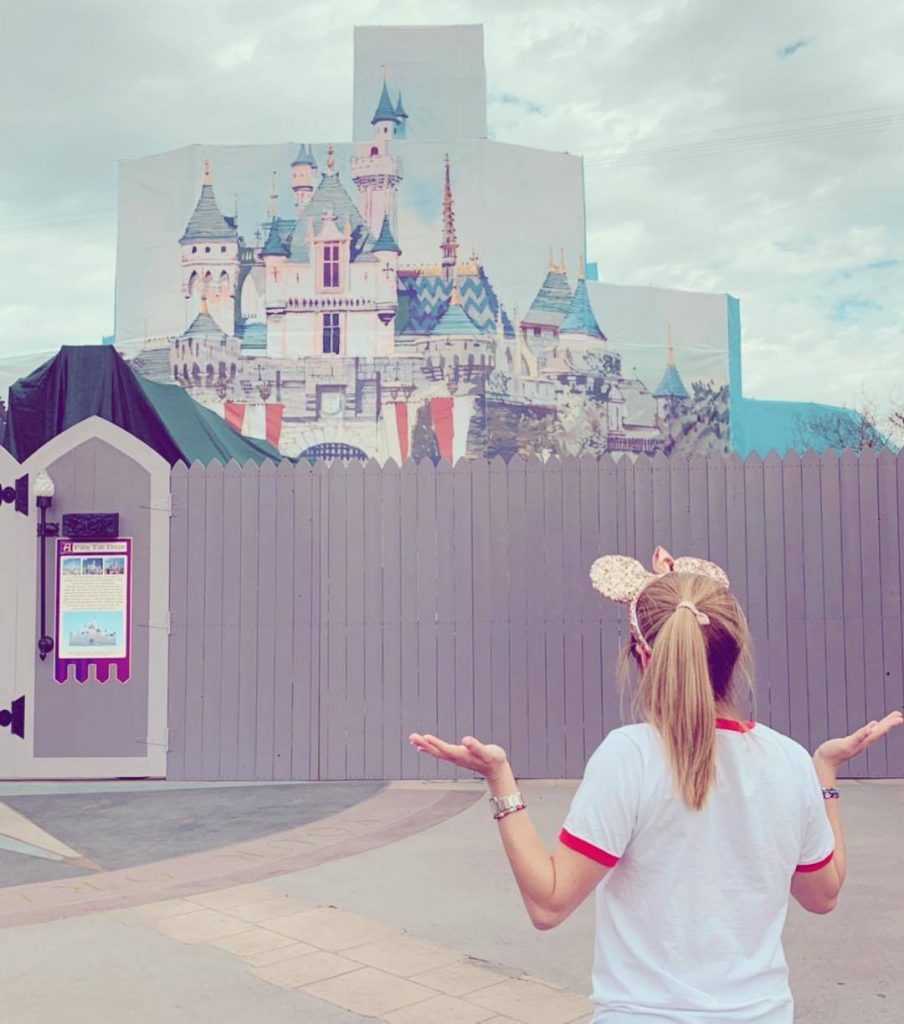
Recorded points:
(44, 491)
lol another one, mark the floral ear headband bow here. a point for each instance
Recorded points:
(622, 579)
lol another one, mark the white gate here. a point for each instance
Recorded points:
(90, 730)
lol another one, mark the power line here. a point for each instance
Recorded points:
(785, 135)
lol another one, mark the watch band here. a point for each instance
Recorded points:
(830, 793)
(509, 804)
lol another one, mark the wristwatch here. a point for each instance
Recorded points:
(509, 804)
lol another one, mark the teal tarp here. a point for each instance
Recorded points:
(94, 380)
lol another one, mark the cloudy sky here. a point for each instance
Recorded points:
(756, 149)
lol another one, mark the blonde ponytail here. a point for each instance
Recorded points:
(698, 634)
(678, 694)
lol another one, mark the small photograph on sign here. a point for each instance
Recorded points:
(114, 566)
(72, 567)
(101, 631)
(93, 566)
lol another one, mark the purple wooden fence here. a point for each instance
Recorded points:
(321, 614)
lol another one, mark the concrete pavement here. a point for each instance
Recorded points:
(428, 926)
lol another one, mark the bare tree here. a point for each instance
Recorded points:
(859, 430)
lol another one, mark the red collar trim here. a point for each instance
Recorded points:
(734, 726)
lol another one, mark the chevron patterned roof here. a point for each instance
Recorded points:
(426, 297)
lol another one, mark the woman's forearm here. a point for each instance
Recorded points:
(531, 862)
(827, 778)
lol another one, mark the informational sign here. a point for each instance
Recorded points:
(94, 609)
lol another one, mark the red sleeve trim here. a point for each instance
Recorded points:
(804, 868)
(588, 849)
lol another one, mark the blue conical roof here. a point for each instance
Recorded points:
(385, 243)
(671, 385)
(305, 156)
(274, 246)
(207, 223)
(580, 318)
(455, 323)
(385, 110)
(553, 300)
(400, 110)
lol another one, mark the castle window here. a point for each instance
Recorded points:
(331, 266)
(222, 248)
(374, 151)
(536, 332)
(194, 248)
(331, 334)
(207, 248)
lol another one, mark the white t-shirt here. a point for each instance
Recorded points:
(689, 921)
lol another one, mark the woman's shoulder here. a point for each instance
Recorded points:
(778, 739)
(636, 734)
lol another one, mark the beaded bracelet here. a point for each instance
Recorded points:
(830, 793)
(509, 810)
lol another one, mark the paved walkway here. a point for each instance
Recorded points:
(412, 918)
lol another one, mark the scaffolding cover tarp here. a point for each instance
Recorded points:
(94, 380)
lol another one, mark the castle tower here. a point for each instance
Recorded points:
(449, 244)
(401, 119)
(375, 171)
(304, 170)
(387, 251)
(671, 388)
(542, 321)
(274, 255)
(580, 324)
(210, 259)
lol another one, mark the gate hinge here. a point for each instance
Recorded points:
(162, 622)
(166, 505)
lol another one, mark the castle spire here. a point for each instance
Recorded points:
(274, 198)
(207, 222)
(671, 386)
(449, 244)
(386, 110)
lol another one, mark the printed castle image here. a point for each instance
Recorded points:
(317, 336)
(92, 636)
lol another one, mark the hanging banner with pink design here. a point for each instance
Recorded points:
(94, 609)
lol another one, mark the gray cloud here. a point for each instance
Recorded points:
(753, 149)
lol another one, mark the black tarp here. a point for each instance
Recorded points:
(94, 380)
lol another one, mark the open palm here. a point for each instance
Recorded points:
(484, 758)
(839, 751)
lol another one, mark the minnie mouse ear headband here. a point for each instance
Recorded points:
(622, 579)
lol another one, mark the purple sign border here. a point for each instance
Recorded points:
(102, 666)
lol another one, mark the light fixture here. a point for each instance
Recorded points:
(44, 489)
(44, 492)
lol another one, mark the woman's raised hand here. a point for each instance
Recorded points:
(486, 759)
(837, 752)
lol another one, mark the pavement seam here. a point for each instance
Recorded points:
(336, 977)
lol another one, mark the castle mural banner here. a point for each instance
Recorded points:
(394, 298)
(94, 609)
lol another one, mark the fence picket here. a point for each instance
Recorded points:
(320, 614)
